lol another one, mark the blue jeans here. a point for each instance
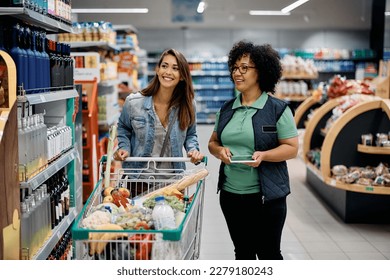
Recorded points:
(255, 228)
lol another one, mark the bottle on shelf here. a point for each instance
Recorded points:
(85, 171)
(25, 229)
(39, 83)
(84, 100)
(46, 60)
(84, 135)
(19, 55)
(51, 188)
(31, 59)
(61, 64)
(22, 146)
(163, 215)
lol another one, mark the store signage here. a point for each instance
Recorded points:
(86, 66)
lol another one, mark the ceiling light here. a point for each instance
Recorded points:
(267, 13)
(111, 11)
(387, 14)
(201, 7)
(294, 5)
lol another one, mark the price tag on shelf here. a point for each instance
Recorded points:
(43, 98)
(59, 235)
(370, 188)
(333, 182)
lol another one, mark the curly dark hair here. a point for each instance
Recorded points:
(266, 60)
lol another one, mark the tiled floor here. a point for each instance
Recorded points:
(312, 230)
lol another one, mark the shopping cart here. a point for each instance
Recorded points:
(135, 244)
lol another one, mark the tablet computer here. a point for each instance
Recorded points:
(242, 159)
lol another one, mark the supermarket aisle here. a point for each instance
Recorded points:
(312, 230)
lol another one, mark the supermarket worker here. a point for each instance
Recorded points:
(257, 125)
(164, 109)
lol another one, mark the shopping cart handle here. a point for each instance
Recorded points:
(163, 159)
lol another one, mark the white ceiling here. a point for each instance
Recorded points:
(234, 14)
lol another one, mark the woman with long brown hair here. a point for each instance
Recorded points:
(168, 100)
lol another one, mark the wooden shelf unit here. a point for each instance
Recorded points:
(373, 149)
(313, 137)
(341, 145)
(304, 109)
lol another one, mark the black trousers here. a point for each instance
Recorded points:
(255, 228)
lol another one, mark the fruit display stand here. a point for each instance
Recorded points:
(354, 203)
(9, 185)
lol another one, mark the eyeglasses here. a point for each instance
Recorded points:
(242, 68)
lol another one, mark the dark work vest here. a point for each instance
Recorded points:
(273, 176)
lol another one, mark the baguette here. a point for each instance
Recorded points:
(181, 184)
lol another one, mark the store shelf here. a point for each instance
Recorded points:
(313, 138)
(52, 169)
(207, 60)
(56, 113)
(37, 19)
(314, 170)
(56, 235)
(211, 86)
(304, 109)
(293, 98)
(210, 110)
(345, 59)
(41, 98)
(212, 98)
(206, 121)
(340, 146)
(337, 71)
(124, 47)
(92, 44)
(373, 149)
(209, 73)
(358, 188)
(299, 77)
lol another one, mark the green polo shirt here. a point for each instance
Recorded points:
(238, 136)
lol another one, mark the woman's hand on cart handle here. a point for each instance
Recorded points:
(196, 156)
(121, 154)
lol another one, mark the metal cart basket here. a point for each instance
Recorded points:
(139, 244)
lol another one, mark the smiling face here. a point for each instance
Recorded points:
(168, 72)
(247, 81)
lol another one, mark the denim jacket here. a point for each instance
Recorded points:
(136, 129)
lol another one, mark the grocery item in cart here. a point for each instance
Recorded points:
(131, 233)
(163, 215)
